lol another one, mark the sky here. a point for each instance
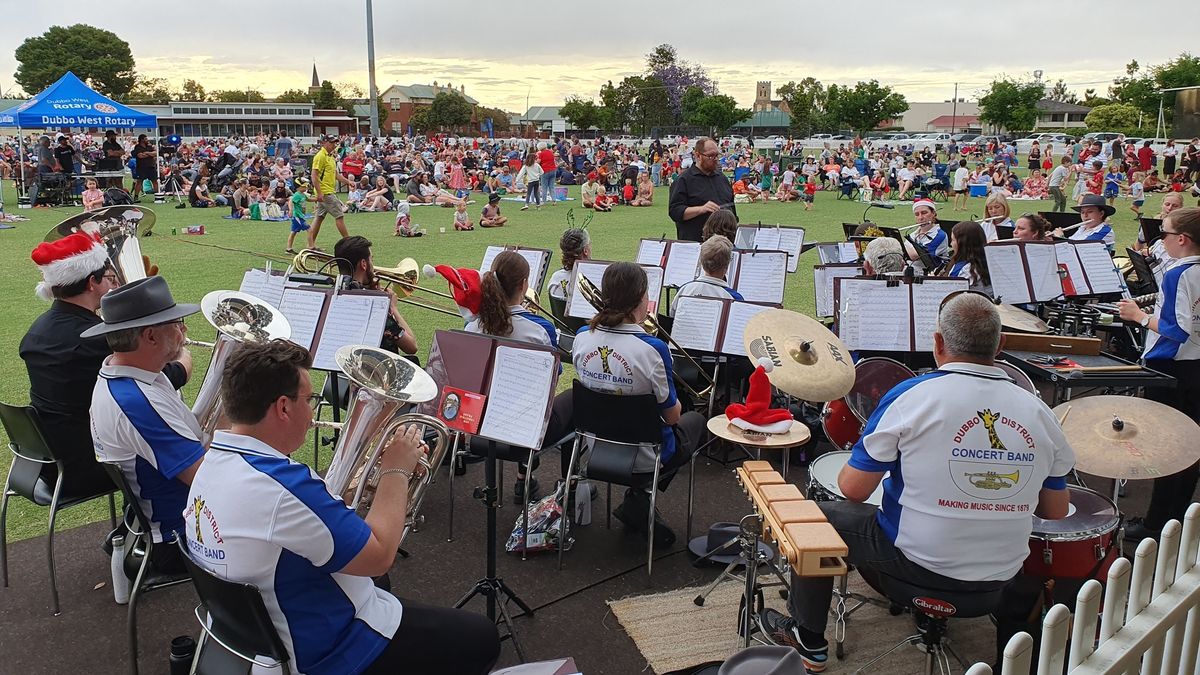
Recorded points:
(509, 57)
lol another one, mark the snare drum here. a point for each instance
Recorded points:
(1017, 376)
(843, 419)
(823, 479)
(1079, 546)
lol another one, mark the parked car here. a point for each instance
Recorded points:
(626, 140)
(963, 138)
(820, 137)
(1102, 136)
(671, 139)
(733, 140)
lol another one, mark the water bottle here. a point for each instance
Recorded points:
(183, 648)
(120, 582)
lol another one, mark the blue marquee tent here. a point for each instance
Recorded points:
(69, 102)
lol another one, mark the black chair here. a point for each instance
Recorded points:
(618, 427)
(31, 452)
(933, 608)
(235, 618)
(139, 548)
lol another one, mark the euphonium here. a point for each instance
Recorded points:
(119, 228)
(383, 385)
(238, 317)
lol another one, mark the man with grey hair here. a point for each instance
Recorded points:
(1001, 448)
(883, 255)
(702, 189)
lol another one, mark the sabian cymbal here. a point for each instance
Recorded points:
(1128, 438)
(811, 363)
(1018, 319)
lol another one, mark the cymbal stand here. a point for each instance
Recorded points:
(728, 573)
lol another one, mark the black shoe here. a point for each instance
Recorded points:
(784, 631)
(633, 513)
(1136, 531)
(519, 491)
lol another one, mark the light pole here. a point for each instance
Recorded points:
(372, 95)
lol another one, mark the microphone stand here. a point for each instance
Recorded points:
(875, 205)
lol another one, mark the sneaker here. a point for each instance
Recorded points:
(525, 208)
(1136, 531)
(784, 631)
(519, 491)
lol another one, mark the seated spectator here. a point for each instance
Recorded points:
(1153, 183)
(239, 203)
(589, 190)
(380, 197)
(1035, 187)
(198, 195)
(491, 213)
(602, 202)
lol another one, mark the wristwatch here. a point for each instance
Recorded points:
(1145, 322)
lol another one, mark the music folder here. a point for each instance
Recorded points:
(1024, 271)
(713, 325)
(324, 320)
(823, 278)
(1089, 267)
(679, 260)
(761, 276)
(517, 378)
(579, 308)
(890, 314)
(1059, 219)
(1144, 273)
(538, 259)
(772, 238)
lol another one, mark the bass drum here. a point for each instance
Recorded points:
(843, 420)
(1080, 546)
(823, 479)
(1018, 376)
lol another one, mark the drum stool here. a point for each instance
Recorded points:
(932, 609)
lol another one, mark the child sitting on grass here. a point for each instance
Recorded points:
(461, 220)
(404, 227)
(603, 202)
(491, 213)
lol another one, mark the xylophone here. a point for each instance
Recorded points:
(797, 526)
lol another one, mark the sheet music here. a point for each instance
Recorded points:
(302, 308)
(823, 280)
(745, 237)
(926, 301)
(767, 239)
(1006, 266)
(489, 255)
(761, 276)
(1043, 271)
(683, 263)
(873, 315)
(650, 251)
(829, 253)
(522, 380)
(654, 284)
(577, 306)
(731, 273)
(1067, 256)
(265, 287)
(697, 322)
(789, 239)
(1098, 265)
(847, 251)
(351, 320)
(536, 259)
(735, 327)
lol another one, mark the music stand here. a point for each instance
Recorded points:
(1146, 277)
(1151, 229)
(1060, 219)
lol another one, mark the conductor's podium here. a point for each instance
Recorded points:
(796, 525)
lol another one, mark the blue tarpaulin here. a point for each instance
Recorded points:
(69, 102)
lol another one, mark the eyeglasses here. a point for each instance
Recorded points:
(111, 276)
(710, 155)
(169, 323)
(1181, 234)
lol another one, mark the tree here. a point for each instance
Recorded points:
(615, 107)
(449, 111)
(1112, 116)
(1060, 93)
(95, 55)
(1136, 88)
(676, 77)
(294, 96)
(192, 91)
(237, 96)
(1011, 104)
(328, 98)
(650, 102)
(420, 121)
(580, 113)
(865, 106)
(717, 113)
(806, 100)
(1091, 100)
(500, 118)
(149, 91)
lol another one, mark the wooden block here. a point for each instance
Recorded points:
(757, 465)
(766, 478)
(780, 493)
(819, 550)
(1052, 344)
(797, 512)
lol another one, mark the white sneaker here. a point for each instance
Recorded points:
(525, 208)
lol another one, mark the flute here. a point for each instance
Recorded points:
(1075, 226)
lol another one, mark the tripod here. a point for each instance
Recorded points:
(491, 586)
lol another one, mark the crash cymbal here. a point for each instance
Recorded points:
(811, 363)
(1013, 318)
(1128, 438)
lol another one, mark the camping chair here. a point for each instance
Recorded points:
(30, 453)
(938, 186)
(848, 189)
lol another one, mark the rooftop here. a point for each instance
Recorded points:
(1051, 106)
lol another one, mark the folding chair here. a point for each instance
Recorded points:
(30, 453)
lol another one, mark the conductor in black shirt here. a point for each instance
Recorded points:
(63, 366)
(700, 190)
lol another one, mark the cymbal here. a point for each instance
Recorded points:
(1128, 438)
(1019, 319)
(811, 363)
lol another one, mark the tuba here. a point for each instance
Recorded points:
(119, 228)
(384, 385)
(238, 317)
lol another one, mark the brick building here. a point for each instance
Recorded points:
(402, 101)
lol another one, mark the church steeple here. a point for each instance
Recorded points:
(316, 81)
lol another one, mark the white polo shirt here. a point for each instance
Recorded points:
(968, 451)
(559, 285)
(625, 360)
(705, 286)
(255, 516)
(934, 241)
(1178, 311)
(1102, 232)
(526, 327)
(140, 423)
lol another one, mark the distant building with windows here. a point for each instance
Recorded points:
(763, 101)
(1059, 115)
(404, 100)
(192, 119)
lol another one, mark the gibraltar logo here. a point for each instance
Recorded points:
(105, 108)
(934, 606)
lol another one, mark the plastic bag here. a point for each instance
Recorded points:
(545, 524)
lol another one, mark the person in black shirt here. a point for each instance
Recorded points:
(111, 153)
(63, 367)
(64, 154)
(354, 259)
(700, 190)
(147, 165)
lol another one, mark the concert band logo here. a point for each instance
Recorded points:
(605, 352)
(989, 471)
(197, 508)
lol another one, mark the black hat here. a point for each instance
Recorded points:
(723, 536)
(145, 302)
(493, 198)
(1098, 202)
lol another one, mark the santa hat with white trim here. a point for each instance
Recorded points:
(756, 414)
(465, 286)
(924, 202)
(67, 260)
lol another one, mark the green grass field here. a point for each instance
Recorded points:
(195, 265)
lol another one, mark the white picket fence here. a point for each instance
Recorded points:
(1149, 618)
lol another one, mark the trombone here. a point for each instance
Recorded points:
(651, 326)
(532, 304)
(402, 279)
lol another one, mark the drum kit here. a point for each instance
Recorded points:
(845, 418)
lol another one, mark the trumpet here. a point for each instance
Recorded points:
(384, 386)
(401, 279)
(651, 326)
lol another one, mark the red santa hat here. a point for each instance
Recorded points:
(465, 286)
(756, 414)
(924, 202)
(67, 260)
